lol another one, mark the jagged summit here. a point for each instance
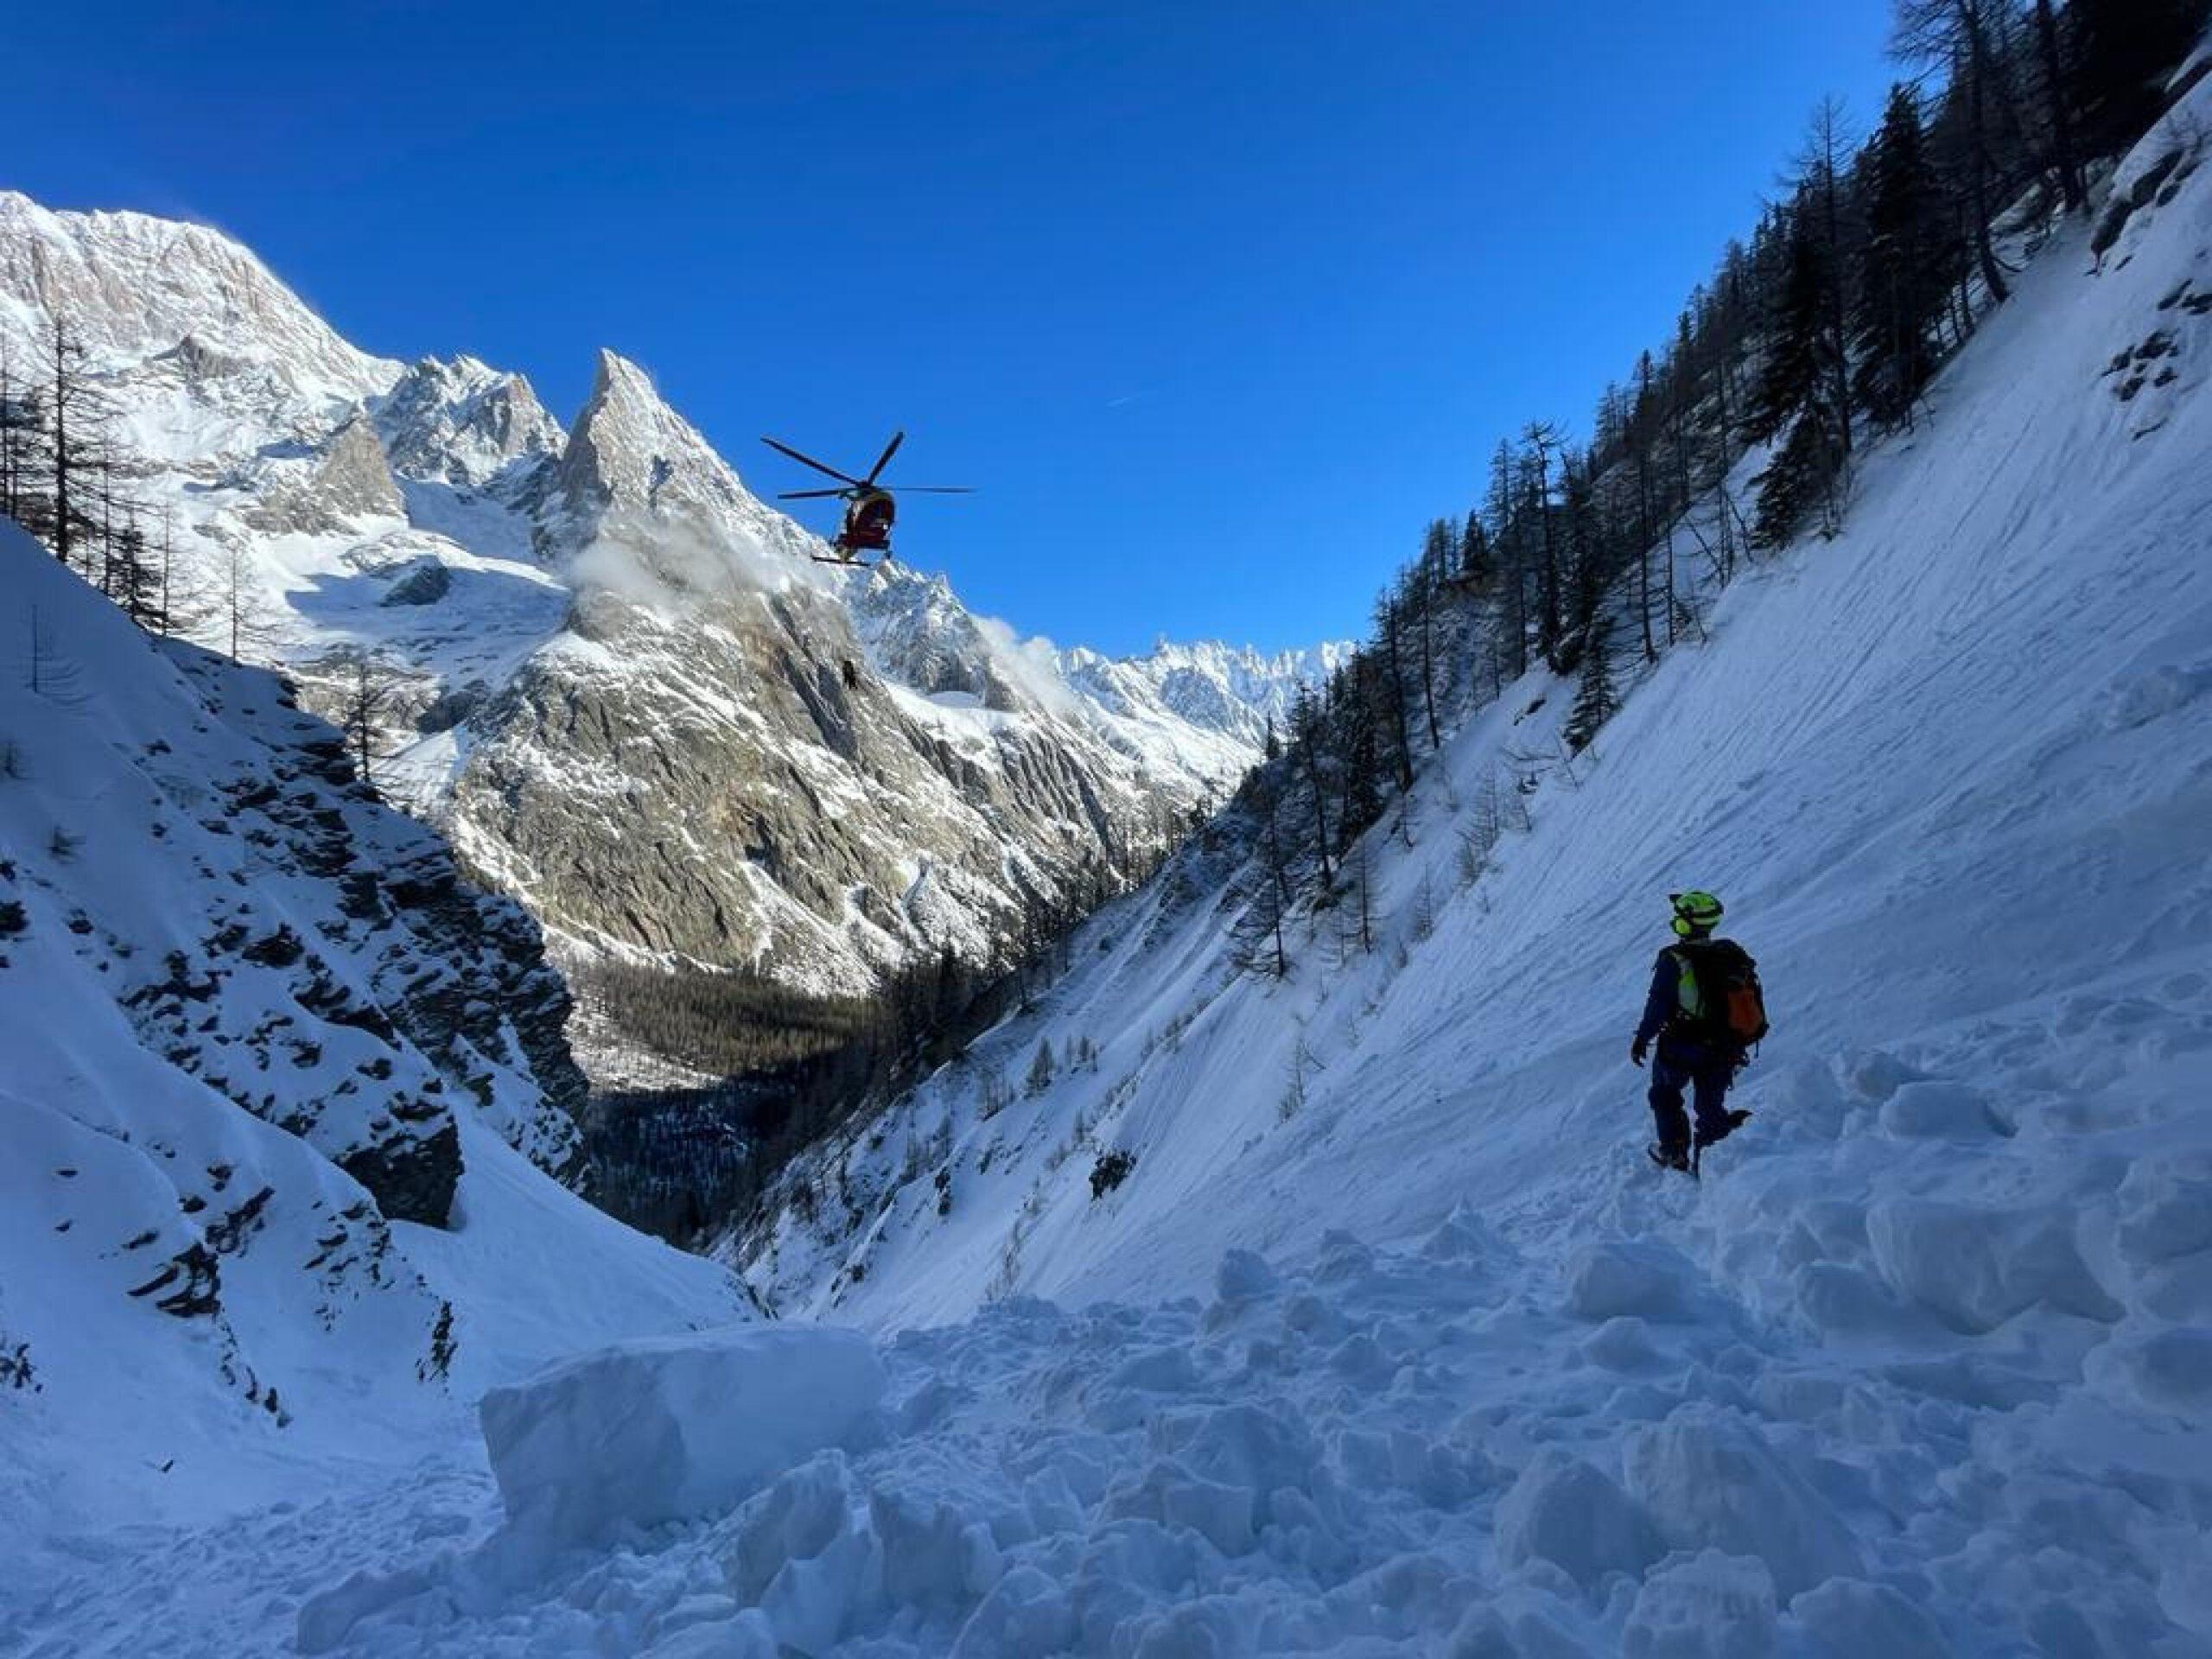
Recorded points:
(463, 423)
(1235, 691)
(635, 469)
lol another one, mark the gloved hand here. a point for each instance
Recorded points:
(1637, 1051)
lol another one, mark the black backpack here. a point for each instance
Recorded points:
(1730, 1011)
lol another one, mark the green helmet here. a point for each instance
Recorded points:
(1695, 912)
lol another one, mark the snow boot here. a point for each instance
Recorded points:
(1668, 1158)
(1730, 1123)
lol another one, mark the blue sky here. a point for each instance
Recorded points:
(1217, 303)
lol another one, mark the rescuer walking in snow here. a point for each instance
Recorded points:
(1705, 1012)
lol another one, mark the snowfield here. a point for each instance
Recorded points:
(1389, 1341)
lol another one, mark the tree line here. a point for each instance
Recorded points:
(1819, 332)
(66, 479)
(794, 1067)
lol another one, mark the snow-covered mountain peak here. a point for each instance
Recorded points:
(637, 473)
(919, 634)
(1234, 691)
(463, 423)
(133, 286)
(629, 691)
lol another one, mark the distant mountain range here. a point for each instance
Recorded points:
(613, 676)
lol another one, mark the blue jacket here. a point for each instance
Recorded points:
(1664, 999)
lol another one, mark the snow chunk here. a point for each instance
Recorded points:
(1875, 1074)
(1941, 1110)
(1708, 1606)
(1846, 1618)
(1243, 1276)
(673, 1428)
(1708, 1478)
(1975, 1269)
(2164, 691)
(2171, 1369)
(2165, 1209)
(1567, 1512)
(1617, 1277)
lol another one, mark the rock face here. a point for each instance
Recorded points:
(465, 424)
(624, 686)
(133, 286)
(350, 482)
(273, 932)
(379, 997)
(284, 1099)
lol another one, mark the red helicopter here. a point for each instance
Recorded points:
(869, 509)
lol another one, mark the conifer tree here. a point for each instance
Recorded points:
(1511, 567)
(1796, 392)
(1257, 943)
(1542, 439)
(1961, 35)
(2058, 110)
(1359, 745)
(1418, 590)
(2122, 50)
(22, 446)
(1906, 266)
(74, 412)
(1309, 734)
(1586, 552)
(1632, 437)
(1597, 700)
(135, 579)
(367, 683)
(1391, 682)
(1041, 1068)
(1476, 569)
(1821, 163)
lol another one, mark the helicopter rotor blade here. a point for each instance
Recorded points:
(808, 495)
(808, 460)
(884, 460)
(936, 489)
(886, 457)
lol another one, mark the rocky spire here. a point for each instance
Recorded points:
(636, 469)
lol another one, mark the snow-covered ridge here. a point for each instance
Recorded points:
(1234, 690)
(625, 688)
(286, 1102)
(135, 287)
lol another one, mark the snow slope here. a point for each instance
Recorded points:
(1953, 773)
(284, 1104)
(1421, 1356)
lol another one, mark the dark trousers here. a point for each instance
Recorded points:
(1674, 1068)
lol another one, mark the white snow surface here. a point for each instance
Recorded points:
(673, 1428)
(1421, 1356)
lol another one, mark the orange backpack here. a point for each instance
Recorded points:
(1720, 996)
